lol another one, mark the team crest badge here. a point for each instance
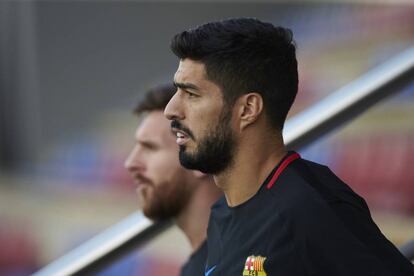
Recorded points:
(254, 266)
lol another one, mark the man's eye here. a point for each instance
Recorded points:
(191, 95)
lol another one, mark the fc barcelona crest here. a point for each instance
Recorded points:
(254, 266)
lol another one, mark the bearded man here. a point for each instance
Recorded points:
(166, 189)
(281, 214)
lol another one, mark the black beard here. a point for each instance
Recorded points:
(214, 153)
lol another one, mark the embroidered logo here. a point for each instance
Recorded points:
(254, 266)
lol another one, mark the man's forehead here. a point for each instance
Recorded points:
(193, 73)
(189, 68)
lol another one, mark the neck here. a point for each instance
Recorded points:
(193, 220)
(250, 168)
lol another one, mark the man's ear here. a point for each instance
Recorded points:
(250, 106)
(198, 174)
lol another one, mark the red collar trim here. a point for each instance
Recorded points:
(281, 168)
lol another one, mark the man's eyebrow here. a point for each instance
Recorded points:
(185, 85)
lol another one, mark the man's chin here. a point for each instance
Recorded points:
(155, 215)
(149, 210)
(187, 161)
(148, 214)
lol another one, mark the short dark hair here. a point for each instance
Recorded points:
(245, 55)
(155, 99)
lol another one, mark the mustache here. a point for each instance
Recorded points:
(143, 179)
(177, 125)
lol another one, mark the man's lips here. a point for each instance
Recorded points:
(183, 133)
(141, 181)
(182, 137)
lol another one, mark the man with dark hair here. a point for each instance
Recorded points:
(281, 214)
(167, 190)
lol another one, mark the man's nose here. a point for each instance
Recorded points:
(174, 108)
(133, 161)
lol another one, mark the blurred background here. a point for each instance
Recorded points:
(70, 72)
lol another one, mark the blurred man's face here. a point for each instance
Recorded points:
(162, 183)
(201, 120)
